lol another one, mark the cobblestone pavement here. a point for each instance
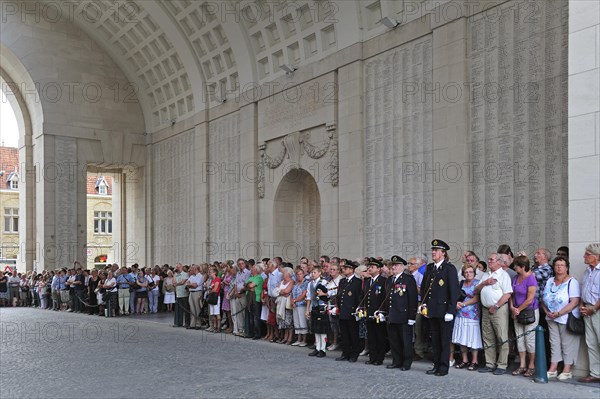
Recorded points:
(45, 354)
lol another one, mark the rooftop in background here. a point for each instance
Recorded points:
(9, 162)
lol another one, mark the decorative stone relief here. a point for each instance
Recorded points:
(294, 145)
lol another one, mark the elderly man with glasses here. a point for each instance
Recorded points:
(494, 291)
(590, 309)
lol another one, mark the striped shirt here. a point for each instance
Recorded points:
(590, 287)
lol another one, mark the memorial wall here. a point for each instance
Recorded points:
(518, 59)
(398, 138)
(506, 134)
(173, 206)
(224, 174)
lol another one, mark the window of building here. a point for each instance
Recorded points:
(100, 261)
(101, 186)
(11, 220)
(12, 181)
(102, 222)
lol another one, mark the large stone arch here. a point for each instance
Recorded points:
(297, 215)
(29, 115)
(77, 112)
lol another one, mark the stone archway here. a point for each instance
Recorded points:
(297, 216)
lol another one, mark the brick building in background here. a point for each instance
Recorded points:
(99, 211)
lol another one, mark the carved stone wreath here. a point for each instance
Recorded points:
(290, 146)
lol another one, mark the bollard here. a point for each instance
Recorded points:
(541, 371)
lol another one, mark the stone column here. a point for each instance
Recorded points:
(584, 138)
(118, 226)
(450, 132)
(62, 196)
(351, 160)
(27, 214)
(201, 193)
(249, 227)
(133, 215)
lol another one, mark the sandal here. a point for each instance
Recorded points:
(519, 371)
(529, 373)
(473, 366)
(462, 365)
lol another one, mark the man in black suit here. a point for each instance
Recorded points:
(401, 298)
(348, 299)
(373, 298)
(440, 292)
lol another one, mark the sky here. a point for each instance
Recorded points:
(9, 133)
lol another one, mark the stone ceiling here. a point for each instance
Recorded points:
(188, 55)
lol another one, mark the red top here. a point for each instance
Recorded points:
(215, 285)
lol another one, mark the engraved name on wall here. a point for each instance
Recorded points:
(518, 125)
(398, 135)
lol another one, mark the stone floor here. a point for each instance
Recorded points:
(45, 354)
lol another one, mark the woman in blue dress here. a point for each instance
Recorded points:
(466, 331)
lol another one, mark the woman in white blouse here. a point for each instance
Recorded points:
(561, 297)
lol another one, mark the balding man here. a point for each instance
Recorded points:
(238, 301)
(194, 285)
(183, 311)
(590, 309)
(494, 291)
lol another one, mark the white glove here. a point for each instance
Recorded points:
(411, 322)
(448, 317)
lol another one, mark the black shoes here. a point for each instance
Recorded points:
(321, 354)
(341, 358)
(404, 368)
(392, 366)
(352, 360)
(314, 353)
(432, 371)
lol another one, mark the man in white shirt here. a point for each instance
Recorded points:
(332, 289)
(194, 284)
(494, 291)
(590, 309)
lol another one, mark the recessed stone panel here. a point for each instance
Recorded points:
(518, 127)
(398, 148)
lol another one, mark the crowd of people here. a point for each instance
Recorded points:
(368, 306)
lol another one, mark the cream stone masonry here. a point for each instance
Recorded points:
(398, 146)
(583, 138)
(368, 116)
(518, 126)
(224, 172)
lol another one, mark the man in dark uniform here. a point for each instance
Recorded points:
(401, 300)
(349, 294)
(440, 292)
(374, 295)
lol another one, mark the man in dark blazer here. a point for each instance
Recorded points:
(439, 294)
(401, 304)
(348, 299)
(373, 298)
